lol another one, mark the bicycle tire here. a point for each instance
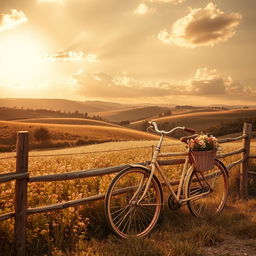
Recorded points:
(212, 203)
(124, 217)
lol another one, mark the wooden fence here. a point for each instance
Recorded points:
(22, 178)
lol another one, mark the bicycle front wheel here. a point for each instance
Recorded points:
(213, 185)
(125, 215)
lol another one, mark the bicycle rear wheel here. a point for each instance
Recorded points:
(124, 214)
(214, 184)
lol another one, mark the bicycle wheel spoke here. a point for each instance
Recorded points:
(123, 214)
(215, 182)
(120, 214)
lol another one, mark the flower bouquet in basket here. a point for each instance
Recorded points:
(203, 150)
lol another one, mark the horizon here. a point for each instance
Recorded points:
(135, 105)
(131, 53)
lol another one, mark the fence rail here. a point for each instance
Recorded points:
(22, 179)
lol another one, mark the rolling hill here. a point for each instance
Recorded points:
(70, 121)
(60, 105)
(63, 135)
(132, 114)
(7, 113)
(200, 120)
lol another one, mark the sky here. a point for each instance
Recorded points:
(196, 52)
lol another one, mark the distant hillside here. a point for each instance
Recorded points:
(132, 114)
(60, 104)
(67, 135)
(199, 120)
(15, 113)
(72, 121)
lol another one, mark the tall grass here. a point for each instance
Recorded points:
(82, 230)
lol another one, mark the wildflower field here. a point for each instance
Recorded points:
(82, 230)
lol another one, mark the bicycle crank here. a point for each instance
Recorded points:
(173, 205)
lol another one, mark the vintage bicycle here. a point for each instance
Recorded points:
(134, 199)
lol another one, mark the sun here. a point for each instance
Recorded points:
(20, 60)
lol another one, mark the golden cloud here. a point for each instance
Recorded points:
(206, 82)
(72, 56)
(142, 9)
(9, 21)
(202, 27)
(105, 86)
(166, 1)
(51, 1)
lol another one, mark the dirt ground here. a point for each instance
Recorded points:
(233, 247)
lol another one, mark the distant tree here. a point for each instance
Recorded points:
(144, 125)
(168, 113)
(125, 122)
(42, 134)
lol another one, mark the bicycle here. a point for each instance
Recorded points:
(134, 199)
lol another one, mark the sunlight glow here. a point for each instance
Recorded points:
(21, 60)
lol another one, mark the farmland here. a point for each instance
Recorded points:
(82, 230)
(63, 135)
(201, 120)
(133, 113)
(72, 121)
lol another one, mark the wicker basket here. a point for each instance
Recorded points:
(203, 160)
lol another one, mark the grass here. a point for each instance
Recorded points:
(82, 230)
(178, 234)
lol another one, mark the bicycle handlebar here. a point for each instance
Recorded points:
(154, 126)
(189, 130)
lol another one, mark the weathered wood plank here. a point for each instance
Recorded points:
(21, 195)
(232, 139)
(79, 174)
(245, 164)
(12, 176)
(234, 164)
(72, 203)
(6, 216)
(95, 172)
(230, 153)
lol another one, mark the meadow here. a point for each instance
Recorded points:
(200, 120)
(65, 132)
(82, 230)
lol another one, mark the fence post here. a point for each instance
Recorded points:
(21, 194)
(244, 168)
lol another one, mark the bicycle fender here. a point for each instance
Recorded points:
(222, 165)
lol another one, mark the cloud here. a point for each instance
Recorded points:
(202, 27)
(92, 57)
(51, 1)
(142, 9)
(103, 85)
(166, 1)
(9, 21)
(206, 82)
(72, 56)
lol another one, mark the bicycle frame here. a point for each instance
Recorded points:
(186, 172)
